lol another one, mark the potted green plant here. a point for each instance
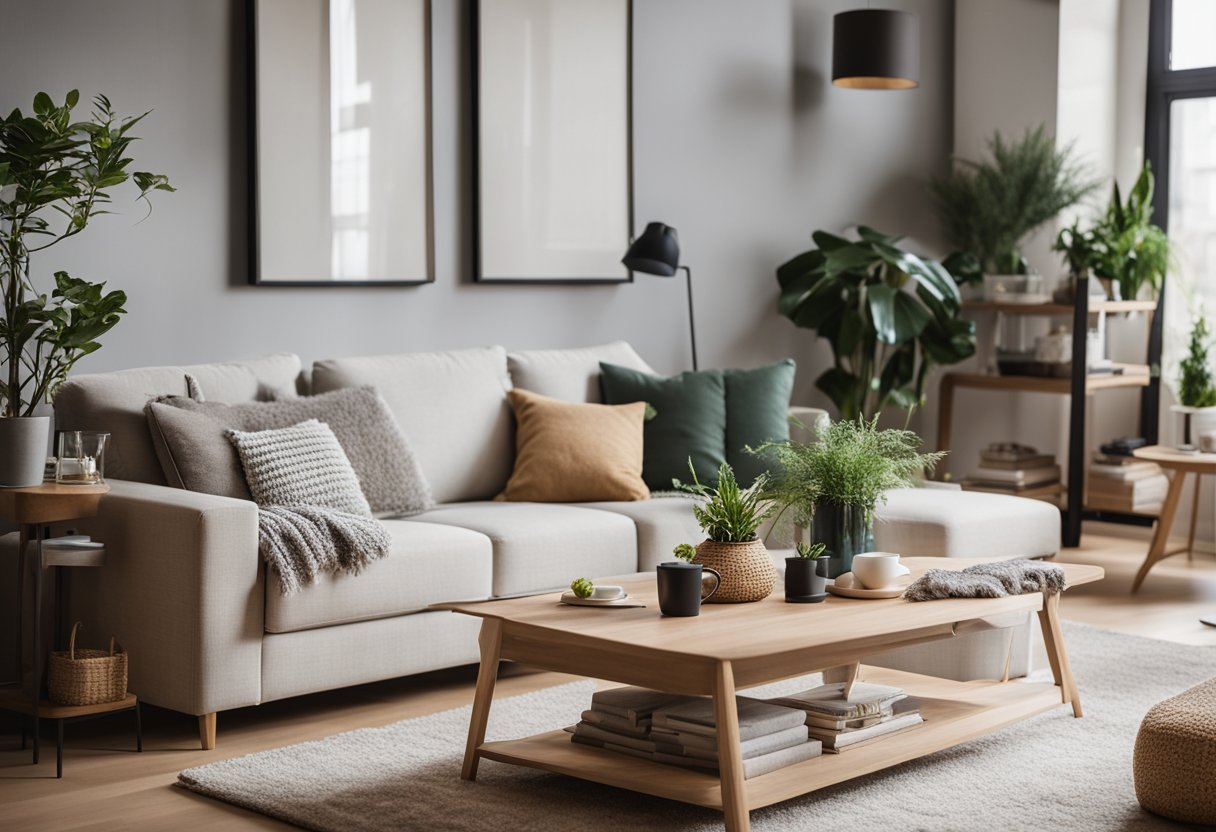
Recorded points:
(806, 573)
(1131, 253)
(989, 207)
(56, 175)
(834, 485)
(730, 516)
(888, 314)
(1196, 390)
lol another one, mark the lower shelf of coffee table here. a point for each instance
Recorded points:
(954, 712)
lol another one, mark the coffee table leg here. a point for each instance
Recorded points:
(1161, 534)
(490, 641)
(1053, 639)
(730, 756)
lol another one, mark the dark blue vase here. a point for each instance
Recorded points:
(844, 531)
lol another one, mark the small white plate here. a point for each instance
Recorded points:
(845, 588)
(621, 601)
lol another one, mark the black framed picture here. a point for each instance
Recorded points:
(340, 112)
(554, 201)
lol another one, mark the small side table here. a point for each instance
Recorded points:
(1178, 465)
(34, 509)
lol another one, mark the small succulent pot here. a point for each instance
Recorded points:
(805, 578)
(746, 569)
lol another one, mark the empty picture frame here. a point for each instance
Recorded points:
(341, 148)
(553, 168)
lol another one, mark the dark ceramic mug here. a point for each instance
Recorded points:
(681, 589)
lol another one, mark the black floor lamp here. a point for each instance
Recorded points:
(657, 252)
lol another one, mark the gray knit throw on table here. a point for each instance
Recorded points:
(988, 580)
(304, 542)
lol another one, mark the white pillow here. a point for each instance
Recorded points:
(302, 465)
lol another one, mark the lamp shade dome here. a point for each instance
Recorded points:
(656, 252)
(876, 49)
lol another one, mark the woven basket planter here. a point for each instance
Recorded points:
(87, 677)
(746, 569)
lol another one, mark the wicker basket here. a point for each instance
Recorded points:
(87, 677)
(746, 569)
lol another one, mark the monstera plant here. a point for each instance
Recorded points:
(888, 314)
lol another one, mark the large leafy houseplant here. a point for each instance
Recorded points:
(888, 314)
(1131, 250)
(56, 175)
(989, 207)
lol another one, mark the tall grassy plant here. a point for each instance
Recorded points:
(988, 207)
(852, 464)
(730, 514)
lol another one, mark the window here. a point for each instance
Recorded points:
(1180, 143)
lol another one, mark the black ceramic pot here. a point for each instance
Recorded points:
(680, 587)
(844, 532)
(805, 578)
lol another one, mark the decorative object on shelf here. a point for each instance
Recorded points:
(876, 49)
(806, 574)
(989, 207)
(729, 517)
(49, 166)
(888, 314)
(341, 143)
(657, 252)
(681, 583)
(81, 457)
(1014, 288)
(552, 129)
(87, 677)
(834, 485)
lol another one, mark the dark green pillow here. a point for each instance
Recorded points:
(690, 421)
(757, 411)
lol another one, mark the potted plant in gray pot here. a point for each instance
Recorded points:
(834, 485)
(56, 175)
(806, 574)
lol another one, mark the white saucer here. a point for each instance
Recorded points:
(847, 590)
(573, 600)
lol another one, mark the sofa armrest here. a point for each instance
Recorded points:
(182, 590)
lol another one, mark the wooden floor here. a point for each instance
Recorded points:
(107, 785)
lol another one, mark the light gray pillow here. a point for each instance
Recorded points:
(302, 465)
(195, 454)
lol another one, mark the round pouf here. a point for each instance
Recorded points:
(746, 569)
(1175, 759)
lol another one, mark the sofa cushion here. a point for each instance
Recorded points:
(427, 563)
(689, 421)
(543, 546)
(570, 375)
(937, 522)
(452, 406)
(661, 523)
(566, 452)
(195, 454)
(115, 402)
(757, 411)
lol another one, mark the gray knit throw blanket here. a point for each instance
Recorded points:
(304, 542)
(988, 580)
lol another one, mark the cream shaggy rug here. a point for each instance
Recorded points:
(1048, 773)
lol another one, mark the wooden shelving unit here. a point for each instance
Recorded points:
(1078, 387)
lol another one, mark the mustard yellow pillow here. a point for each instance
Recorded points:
(575, 453)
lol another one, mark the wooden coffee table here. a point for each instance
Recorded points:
(734, 646)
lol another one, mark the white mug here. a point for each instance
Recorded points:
(877, 570)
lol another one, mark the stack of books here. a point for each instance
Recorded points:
(870, 713)
(1007, 468)
(1124, 483)
(681, 730)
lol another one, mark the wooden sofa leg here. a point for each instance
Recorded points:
(206, 731)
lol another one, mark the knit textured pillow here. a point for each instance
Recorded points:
(302, 465)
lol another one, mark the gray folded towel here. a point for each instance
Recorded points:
(304, 542)
(988, 580)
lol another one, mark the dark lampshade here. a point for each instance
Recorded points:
(876, 49)
(657, 251)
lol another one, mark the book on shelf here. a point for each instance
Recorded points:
(634, 704)
(706, 748)
(754, 766)
(1010, 452)
(1127, 472)
(1036, 461)
(1025, 477)
(870, 712)
(756, 717)
(1101, 502)
(1147, 489)
(865, 699)
(1118, 459)
(1049, 491)
(608, 746)
(618, 724)
(906, 715)
(592, 732)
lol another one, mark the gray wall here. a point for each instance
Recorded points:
(740, 142)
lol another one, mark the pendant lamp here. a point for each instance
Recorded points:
(876, 49)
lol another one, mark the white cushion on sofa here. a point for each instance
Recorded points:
(544, 546)
(661, 523)
(452, 407)
(932, 522)
(570, 375)
(427, 563)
